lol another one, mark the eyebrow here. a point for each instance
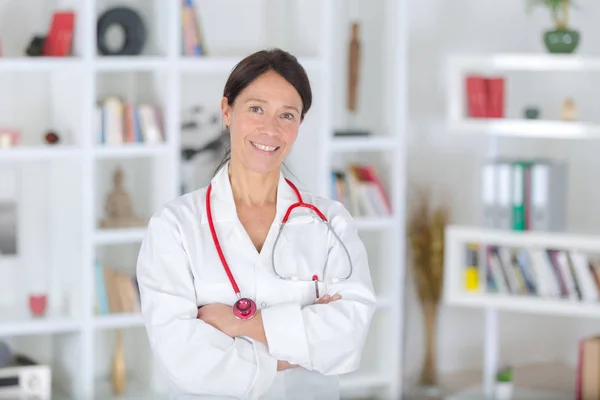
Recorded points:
(254, 99)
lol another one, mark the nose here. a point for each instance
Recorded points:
(270, 125)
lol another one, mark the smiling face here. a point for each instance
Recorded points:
(263, 122)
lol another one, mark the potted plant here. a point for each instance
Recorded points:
(561, 39)
(426, 226)
(503, 389)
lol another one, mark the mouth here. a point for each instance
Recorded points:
(264, 147)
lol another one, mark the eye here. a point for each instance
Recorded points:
(255, 109)
(289, 116)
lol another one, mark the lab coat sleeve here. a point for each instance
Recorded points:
(198, 358)
(328, 338)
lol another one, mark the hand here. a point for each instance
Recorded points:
(328, 299)
(283, 365)
(221, 317)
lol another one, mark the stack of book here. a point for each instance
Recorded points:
(116, 292)
(520, 194)
(192, 36)
(547, 273)
(119, 122)
(484, 96)
(361, 191)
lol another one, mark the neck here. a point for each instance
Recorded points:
(251, 188)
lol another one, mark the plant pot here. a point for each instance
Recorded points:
(503, 391)
(561, 41)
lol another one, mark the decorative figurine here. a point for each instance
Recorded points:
(353, 68)
(569, 110)
(119, 208)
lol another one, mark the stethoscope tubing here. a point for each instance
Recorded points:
(337, 237)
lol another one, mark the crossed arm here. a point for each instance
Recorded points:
(221, 317)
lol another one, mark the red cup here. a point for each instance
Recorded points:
(37, 304)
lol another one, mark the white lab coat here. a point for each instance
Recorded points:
(179, 270)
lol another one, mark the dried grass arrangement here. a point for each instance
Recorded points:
(426, 227)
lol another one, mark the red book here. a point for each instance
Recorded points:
(495, 99)
(476, 96)
(59, 40)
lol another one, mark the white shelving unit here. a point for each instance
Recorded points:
(81, 341)
(457, 237)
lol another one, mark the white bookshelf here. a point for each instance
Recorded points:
(80, 169)
(458, 66)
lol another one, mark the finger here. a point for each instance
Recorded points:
(335, 297)
(323, 300)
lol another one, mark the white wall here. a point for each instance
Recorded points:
(449, 164)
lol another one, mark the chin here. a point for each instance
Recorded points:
(263, 167)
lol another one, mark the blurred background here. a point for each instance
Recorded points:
(460, 135)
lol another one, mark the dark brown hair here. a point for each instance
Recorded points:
(256, 64)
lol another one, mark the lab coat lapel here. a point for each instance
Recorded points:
(229, 227)
(285, 198)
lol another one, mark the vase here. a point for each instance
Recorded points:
(503, 391)
(429, 371)
(118, 367)
(561, 41)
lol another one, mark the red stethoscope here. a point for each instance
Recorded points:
(245, 308)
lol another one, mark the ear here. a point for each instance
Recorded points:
(226, 111)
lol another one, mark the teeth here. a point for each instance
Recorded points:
(263, 147)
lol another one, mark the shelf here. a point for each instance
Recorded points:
(130, 150)
(118, 320)
(456, 234)
(38, 153)
(119, 236)
(528, 62)
(226, 64)
(363, 144)
(518, 394)
(39, 64)
(526, 128)
(525, 304)
(131, 63)
(12, 324)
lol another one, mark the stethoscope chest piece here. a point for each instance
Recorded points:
(244, 308)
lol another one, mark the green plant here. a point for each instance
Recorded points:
(504, 375)
(559, 10)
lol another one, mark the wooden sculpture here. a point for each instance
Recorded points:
(353, 68)
(119, 207)
(119, 371)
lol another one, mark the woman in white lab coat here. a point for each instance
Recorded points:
(302, 333)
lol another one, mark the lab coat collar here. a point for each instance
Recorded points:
(224, 210)
(223, 204)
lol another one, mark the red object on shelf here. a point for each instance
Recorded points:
(476, 96)
(59, 40)
(485, 96)
(37, 304)
(495, 97)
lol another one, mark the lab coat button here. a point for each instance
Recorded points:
(263, 304)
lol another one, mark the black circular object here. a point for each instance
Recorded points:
(131, 23)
